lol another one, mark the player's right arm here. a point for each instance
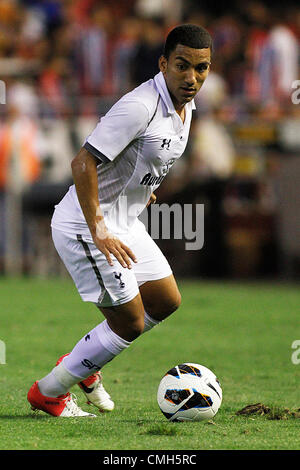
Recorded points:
(84, 171)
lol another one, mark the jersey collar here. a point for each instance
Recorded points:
(162, 88)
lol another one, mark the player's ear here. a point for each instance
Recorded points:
(162, 63)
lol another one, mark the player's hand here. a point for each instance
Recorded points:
(109, 245)
(152, 200)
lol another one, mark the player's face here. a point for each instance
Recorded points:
(185, 72)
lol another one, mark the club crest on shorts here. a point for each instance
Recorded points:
(118, 276)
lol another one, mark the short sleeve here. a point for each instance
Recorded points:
(123, 123)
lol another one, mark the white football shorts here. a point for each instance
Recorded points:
(106, 285)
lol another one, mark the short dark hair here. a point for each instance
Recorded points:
(190, 35)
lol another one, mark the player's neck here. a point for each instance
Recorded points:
(179, 107)
(180, 110)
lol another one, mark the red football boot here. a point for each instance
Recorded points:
(63, 405)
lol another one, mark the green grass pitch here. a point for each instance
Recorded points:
(243, 332)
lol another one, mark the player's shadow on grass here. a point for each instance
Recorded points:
(26, 416)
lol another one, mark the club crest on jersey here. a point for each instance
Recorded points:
(166, 144)
(168, 165)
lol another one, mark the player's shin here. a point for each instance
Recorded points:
(94, 350)
(90, 354)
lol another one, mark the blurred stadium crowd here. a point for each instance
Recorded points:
(65, 62)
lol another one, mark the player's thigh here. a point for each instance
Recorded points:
(157, 285)
(160, 297)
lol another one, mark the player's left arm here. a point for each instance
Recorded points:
(124, 122)
(152, 200)
(84, 171)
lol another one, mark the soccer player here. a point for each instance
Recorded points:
(112, 259)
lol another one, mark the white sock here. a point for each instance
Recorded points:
(93, 351)
(58, 382)
(89, 355)
(149, 322)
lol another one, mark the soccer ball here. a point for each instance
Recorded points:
(189, 392)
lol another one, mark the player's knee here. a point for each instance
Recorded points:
(174, 303)
(164, 307)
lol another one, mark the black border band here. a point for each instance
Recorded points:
(96, 153)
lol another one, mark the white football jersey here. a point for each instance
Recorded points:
(136, 142)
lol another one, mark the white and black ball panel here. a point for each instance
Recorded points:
(189, 391)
